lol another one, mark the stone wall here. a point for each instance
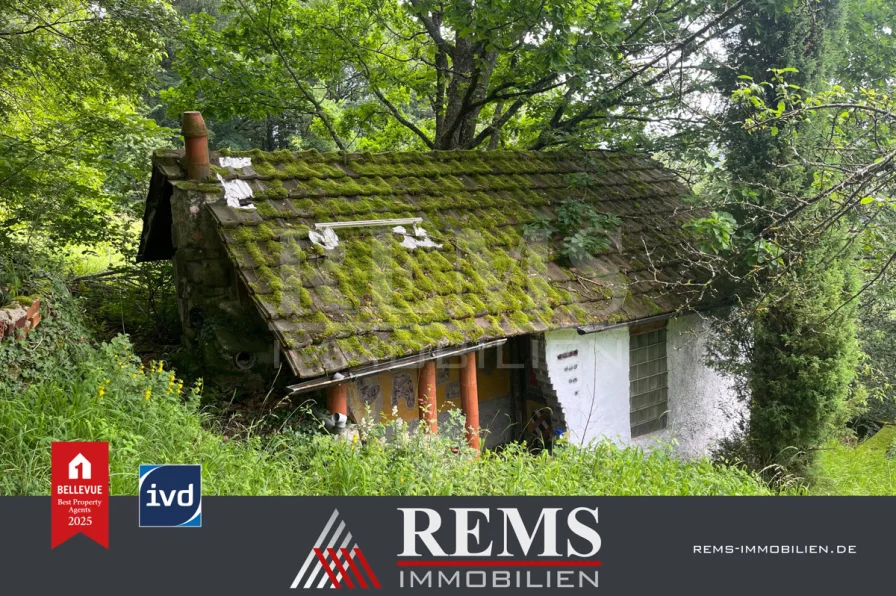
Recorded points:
(221, 325)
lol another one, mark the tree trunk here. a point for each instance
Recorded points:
(471, 70)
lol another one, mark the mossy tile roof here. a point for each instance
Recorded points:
(372, 299)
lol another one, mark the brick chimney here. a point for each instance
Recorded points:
(196, 143)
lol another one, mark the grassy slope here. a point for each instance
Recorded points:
(103, 394)
(861, 470)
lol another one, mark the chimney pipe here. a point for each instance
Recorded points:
(196, 143)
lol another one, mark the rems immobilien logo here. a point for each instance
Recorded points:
(462, 547)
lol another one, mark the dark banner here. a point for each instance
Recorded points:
(393, 545)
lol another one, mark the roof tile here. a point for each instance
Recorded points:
(371, 298)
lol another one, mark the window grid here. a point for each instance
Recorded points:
(648, 382)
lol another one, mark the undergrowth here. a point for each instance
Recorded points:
(868, 468)
(148, 416)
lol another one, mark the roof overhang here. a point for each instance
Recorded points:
(376, 369)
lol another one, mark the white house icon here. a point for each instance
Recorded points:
(79, 460)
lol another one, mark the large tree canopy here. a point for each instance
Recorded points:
(71, 136)
(455, 74)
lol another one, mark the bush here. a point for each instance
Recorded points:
(802, 366)
(135, 298)
(62, 336)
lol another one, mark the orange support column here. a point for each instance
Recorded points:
(469, 398)
(337, 401)
(426, 396)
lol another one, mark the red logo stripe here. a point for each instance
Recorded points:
(348, 558)
(345, 576)
(376, 583)
(323, 561)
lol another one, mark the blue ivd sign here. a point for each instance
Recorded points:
(170, 495)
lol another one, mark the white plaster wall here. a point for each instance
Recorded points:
(594, 395)
(703, 406)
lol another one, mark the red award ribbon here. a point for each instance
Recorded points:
(80, 497)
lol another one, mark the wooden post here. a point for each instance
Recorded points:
(426, 396)
(469, 398)
(337, 401)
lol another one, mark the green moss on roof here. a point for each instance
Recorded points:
(372, 299)
(204, 187)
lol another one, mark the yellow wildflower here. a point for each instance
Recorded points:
(148, 393)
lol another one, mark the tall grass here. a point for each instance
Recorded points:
(148, 416)
(868, 468)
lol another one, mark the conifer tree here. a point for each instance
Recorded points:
(803, 351)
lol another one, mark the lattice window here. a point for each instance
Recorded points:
(648, 380)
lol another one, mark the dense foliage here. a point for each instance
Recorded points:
(802, 364)
(800, 346)
(780, 113)
(384, 74)
(73, 145)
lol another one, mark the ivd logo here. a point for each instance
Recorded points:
(170, 495)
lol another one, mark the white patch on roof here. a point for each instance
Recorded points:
(427, 243)
(409, 242)
(235, 162)
(235, 191)
(421, 240)
(326, 238)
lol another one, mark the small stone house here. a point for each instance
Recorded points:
(409, 284)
